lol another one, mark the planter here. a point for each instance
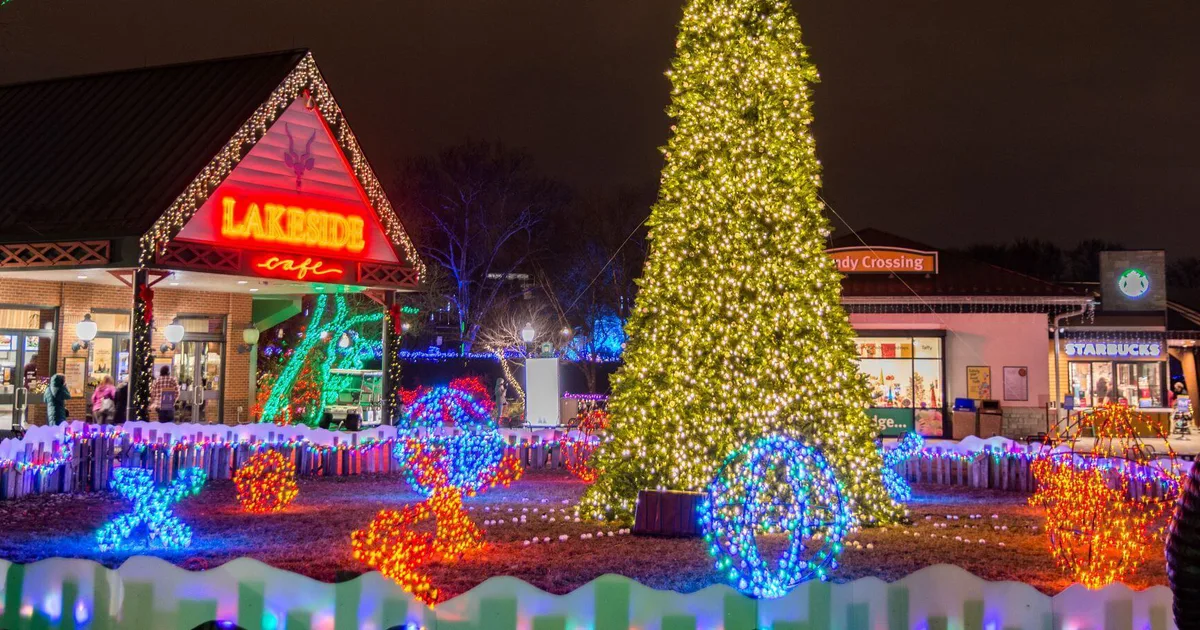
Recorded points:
(667, 513)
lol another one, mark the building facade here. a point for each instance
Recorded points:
(157, 219)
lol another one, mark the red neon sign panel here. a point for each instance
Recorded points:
(298, 268)
(301, 268)
(277, 223)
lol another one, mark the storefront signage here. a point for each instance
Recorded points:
(892, 422)
(1136, 350)
(298, 269)
(276, 223)
(1133, 283)
(884, 260)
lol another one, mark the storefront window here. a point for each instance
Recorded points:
(1095, 383)
(905, 378)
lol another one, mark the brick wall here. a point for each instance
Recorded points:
(76, 299)
(237, 308)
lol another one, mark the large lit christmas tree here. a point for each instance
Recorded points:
(738, 329)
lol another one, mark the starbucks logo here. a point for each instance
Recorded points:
(1133, 283)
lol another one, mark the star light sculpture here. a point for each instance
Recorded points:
(152, 508)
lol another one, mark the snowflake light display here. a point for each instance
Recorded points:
(896, 484)
(266, 483)
(775, 486)
(151, 509)
(1104, 507)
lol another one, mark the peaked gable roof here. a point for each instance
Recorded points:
(137, 153)
(959, 275)
(102, 156)
(298, 161)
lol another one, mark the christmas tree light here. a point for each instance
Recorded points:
(897, 486)
(151, 509)
(738, 330)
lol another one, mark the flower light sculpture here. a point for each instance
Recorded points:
(266, 483)
(1104, 507)
(775, 486)
(392, 544)
(151, 509)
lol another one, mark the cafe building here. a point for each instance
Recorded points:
(936, 326)
(162, 217)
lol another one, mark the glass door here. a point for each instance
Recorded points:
(11, 380)
(25, 359)
(198, 366)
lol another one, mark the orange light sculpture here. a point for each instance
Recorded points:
(1105, 508)
(392, 544)
(266, 483)
(590, 422)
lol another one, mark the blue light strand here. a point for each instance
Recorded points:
(775, 485)
(448, 406)
(469, 460)
(895, 483)
(152, 508)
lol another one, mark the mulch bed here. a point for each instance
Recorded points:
(312, 537)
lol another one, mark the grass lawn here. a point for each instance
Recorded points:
(312, 536)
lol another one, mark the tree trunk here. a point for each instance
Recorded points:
(1183, 554)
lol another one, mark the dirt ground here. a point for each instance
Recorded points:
(312, 536)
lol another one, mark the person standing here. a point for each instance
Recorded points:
(104, 400)
(163, 393)
(122, 401)
(56, 398)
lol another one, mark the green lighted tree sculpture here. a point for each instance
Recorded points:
(738, 329)
(319, 352)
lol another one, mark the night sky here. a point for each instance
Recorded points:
(946, 122)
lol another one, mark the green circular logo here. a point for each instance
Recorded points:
(1133, 283)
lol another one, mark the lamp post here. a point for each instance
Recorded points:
(174, 332)
(86, 331)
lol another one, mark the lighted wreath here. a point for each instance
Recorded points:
(1105, 508)
(583, 444)
(776, 486)
(266, 483)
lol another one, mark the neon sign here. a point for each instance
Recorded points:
(277, 223)
(298, 269)
(1142, 350)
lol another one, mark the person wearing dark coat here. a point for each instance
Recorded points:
(56, 398)
(122, 400)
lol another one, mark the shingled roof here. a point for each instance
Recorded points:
(958, 275)
(103, 156)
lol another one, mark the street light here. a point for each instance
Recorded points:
(527, 333)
